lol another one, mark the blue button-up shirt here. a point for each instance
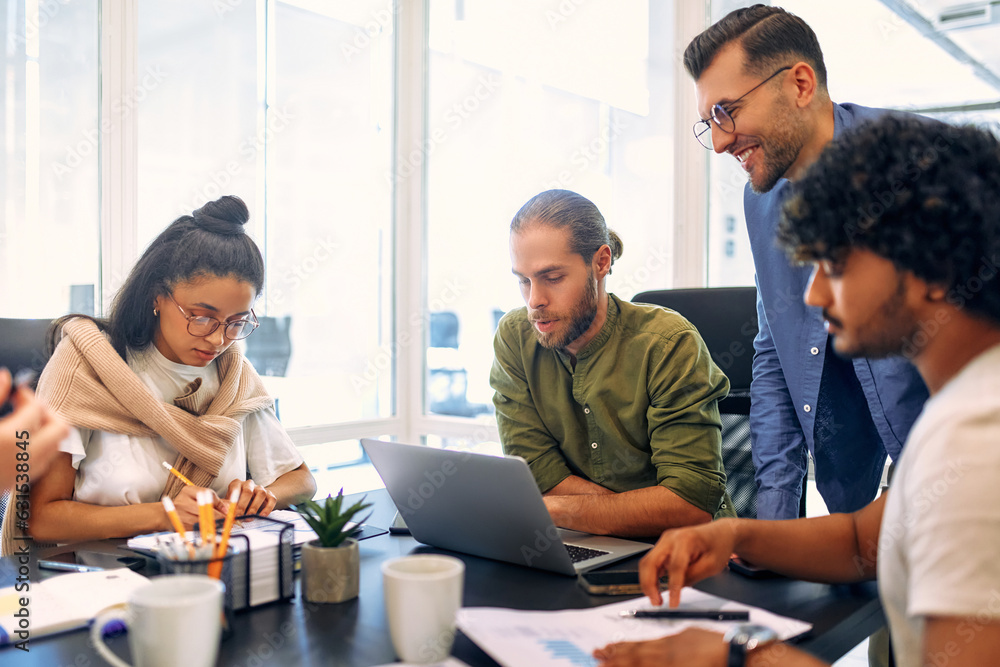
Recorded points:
(790, 352)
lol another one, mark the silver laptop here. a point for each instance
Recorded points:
(486, 506)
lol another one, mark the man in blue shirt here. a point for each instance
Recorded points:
(761, 90)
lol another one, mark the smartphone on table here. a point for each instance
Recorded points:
(613, 582)
(90, 561)
(747, 569)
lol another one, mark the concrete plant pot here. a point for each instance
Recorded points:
(330, 574)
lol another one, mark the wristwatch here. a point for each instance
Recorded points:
(747, 637)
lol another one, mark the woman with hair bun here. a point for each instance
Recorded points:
(161, 381)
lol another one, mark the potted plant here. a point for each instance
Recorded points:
(331, 565)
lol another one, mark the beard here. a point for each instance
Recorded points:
(580, 319)
(890, 332)
(787, 136)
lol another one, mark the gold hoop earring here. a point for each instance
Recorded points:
(156, 313)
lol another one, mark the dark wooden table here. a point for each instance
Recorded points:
(355, 634)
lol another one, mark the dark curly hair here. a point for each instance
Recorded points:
(769, 37)
(923, 194)
(211, 241)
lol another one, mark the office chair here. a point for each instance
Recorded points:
(447, 377)
(22, 344)
(270, 347)
(726, 318)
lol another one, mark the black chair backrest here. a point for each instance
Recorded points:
(22, 347)
(726, 318)
(22, 344)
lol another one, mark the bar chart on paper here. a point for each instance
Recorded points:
(568, 638)
(568, 653)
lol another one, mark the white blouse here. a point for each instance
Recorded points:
(114, 469)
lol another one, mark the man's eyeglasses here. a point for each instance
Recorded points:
(202, 326)
(723, 118)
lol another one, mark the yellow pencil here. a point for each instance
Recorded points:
(179, 475)
(175, 520)
(215, 570)
(204, 516)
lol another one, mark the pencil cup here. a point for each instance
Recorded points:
(224, 567)
(172, 622)
(422, 596)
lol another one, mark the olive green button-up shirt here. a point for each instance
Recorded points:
(639, 409)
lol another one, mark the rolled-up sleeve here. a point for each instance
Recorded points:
(685, 431)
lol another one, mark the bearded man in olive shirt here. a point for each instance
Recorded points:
(613, 405)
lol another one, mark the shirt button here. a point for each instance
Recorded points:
(814, 351)
(807, 408)
(586, 411)
(593, 445)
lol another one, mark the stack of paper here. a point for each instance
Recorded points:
(270, 559)
(65, 602)
(564, 638)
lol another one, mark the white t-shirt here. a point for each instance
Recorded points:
(114, 469)
(939, 547)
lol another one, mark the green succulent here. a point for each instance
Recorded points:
(329, 520)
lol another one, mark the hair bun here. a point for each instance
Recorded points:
(225, 215)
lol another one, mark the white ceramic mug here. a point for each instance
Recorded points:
(173, 621)
(423, 594)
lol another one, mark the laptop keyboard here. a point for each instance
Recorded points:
(577, 554)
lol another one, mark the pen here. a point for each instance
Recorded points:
(71, 567)
(179, 475)
(682, 614)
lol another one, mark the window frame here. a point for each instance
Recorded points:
(409, 421)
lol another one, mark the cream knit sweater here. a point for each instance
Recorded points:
(89, 385)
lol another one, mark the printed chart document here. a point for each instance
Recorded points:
(568, 638)
(65, 602)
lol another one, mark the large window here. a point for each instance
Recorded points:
(894, 54)
(524, 97)
(282, 104)
(49, 226)
(388, 264)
